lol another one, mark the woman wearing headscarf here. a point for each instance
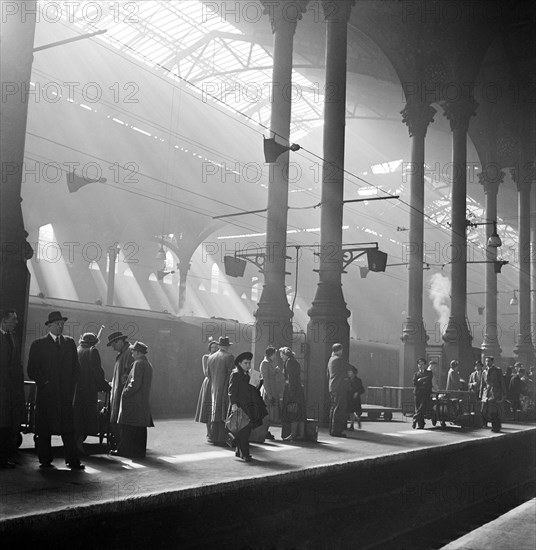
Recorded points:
(269, 388)
(293, 410)
(204, 403)
(90, 381)
(247, 397)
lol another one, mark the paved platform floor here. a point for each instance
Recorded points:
(515, 530)
(180, 458)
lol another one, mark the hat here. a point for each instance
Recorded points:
(115, 336)
(88, 338)
(55, 316)
(244, 355)
(336, 347)
(139, 346)
(224, 341)
(210, 342)
(270, 350)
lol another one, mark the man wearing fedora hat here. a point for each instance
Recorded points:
(123, 363)
(135, 410)
(90, 382)
(53, 364)
(219, 367)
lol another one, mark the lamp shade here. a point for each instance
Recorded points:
(234, 267)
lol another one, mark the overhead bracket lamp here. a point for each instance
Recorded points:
(236, 265)
(376, 259)
(497, 264)
(494, 240)
(514, 301)
(160, 274)
(272, 149)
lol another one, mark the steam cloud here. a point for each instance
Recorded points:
(440, 296)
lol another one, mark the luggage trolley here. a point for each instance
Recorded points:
(445, 406)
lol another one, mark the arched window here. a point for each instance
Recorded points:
(215, 279)
(255, 289)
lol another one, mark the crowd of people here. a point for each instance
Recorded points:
(498, 392)
(68, 378)
(269, 396)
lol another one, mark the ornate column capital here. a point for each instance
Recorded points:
(491, 180)
(284, 15)
(417, 117)
(459, 113)
(524, 175)
(337, 10)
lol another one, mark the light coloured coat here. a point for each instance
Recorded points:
(219, 367)
(135, 409)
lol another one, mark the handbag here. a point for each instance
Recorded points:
(236, 421)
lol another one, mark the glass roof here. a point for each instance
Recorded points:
(182, 39)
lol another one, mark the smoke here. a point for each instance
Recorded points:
(440, 296)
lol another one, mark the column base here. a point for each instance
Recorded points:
(458, 345)
(414, 338)
(489, 349)
(273, 326)
(328, 325)
(524, 353)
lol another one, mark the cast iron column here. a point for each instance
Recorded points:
(457, 338)
(490, 180)
(533, 265)
(417, 116)
(524, 348)
(16, 56)
(273, 318)
(328, 315)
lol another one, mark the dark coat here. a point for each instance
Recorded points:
(123, 364)
(90, 382)
(337, 374)
(422, 382)
(135, 409)
(293, 395)
(246, 396)
(55, 371)
(12, 403)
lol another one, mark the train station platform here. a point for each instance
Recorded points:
(514, 530)
(382, 482)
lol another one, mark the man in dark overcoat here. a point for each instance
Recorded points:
(493, 393)
(123, 363)
(90, 382)
(53, 364)
(338, 389)
(422, 389)
(11, 388)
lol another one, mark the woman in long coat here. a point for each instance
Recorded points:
(135, 410)
(90, 381)
(293, 410)
(219, 367)
(270, 388)
(248, 398)
(204, 403)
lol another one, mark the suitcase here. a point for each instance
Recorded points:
(258, 435)
(311, 430)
